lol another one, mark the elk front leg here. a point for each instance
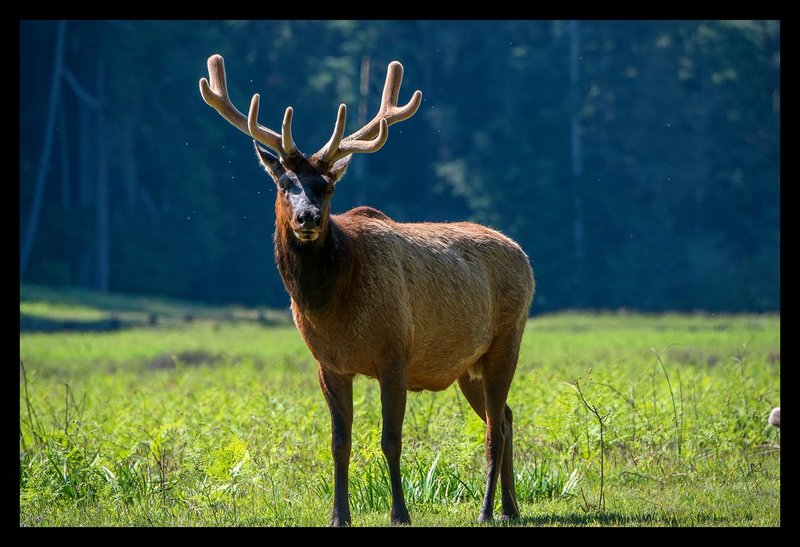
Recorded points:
(338, 391)
(393, 404)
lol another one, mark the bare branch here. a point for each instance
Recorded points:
(78, 89)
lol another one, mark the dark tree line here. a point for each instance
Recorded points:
(637, 162)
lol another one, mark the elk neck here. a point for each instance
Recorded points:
(315, 274)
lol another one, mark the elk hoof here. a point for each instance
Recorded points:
(336, 522)
(512, 515)
(401, 518)
(485, 517)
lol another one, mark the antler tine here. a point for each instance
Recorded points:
(329, 150)
(215, 94)
(289, 147)
(389, 108)
(283, 144)
(391, 92)
(355, 147)
(345, 148)
(372, 136)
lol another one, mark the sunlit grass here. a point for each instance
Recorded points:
(114, 434)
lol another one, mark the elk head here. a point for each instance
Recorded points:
(306, 183)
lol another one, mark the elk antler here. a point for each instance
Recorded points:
(372, 136)
(216, 95)
(286, 147)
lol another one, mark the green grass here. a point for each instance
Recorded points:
(221, 423)
(78, 306)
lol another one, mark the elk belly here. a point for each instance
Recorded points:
(438, 368)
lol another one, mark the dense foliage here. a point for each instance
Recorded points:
(636, 162)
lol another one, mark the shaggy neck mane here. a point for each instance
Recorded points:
(314, 273)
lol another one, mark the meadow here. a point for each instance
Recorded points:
(215, 418)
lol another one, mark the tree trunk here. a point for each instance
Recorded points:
(66, 183)
(577, 162)
(85, 188)
(129, 166)
(85, 156)
(44, 159)
(101, 208)
(360, 165)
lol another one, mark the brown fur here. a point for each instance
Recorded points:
(432, 296)
(416, 306)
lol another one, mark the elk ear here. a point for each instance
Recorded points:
(270, 163)
(337, 169)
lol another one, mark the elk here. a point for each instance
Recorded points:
(416, 306)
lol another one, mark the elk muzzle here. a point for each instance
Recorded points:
(307, 222)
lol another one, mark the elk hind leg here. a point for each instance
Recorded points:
(498, 442)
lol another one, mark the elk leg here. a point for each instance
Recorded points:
(473, 392)
(338, 391)
(497, 369)
(495, 443)
(393, 406)
(508, 493)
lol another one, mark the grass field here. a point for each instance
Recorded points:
(220, 422)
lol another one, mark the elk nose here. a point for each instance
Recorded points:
(308, 219)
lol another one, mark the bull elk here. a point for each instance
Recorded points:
(414, 305)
